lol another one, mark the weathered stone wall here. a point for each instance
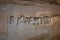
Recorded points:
(18, 1)
(29, 32)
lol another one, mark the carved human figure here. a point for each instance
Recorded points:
(26, 20)
(36, 19)
(32, 21)
(11, 19)
(20, 20)
(40, 20)
(46, 19)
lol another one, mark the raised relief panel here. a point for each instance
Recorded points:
(31, 20)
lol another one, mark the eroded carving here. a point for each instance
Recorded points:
(46, 19)
(20, 20)
(31, 20)
(11, 19)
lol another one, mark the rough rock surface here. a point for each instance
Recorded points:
(28, 32)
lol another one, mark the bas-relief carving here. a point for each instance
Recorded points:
(11, 19)
(31, 20)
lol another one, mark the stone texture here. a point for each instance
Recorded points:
(28, 32)
(18, 1)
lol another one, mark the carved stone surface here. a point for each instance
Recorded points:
(11, 17)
